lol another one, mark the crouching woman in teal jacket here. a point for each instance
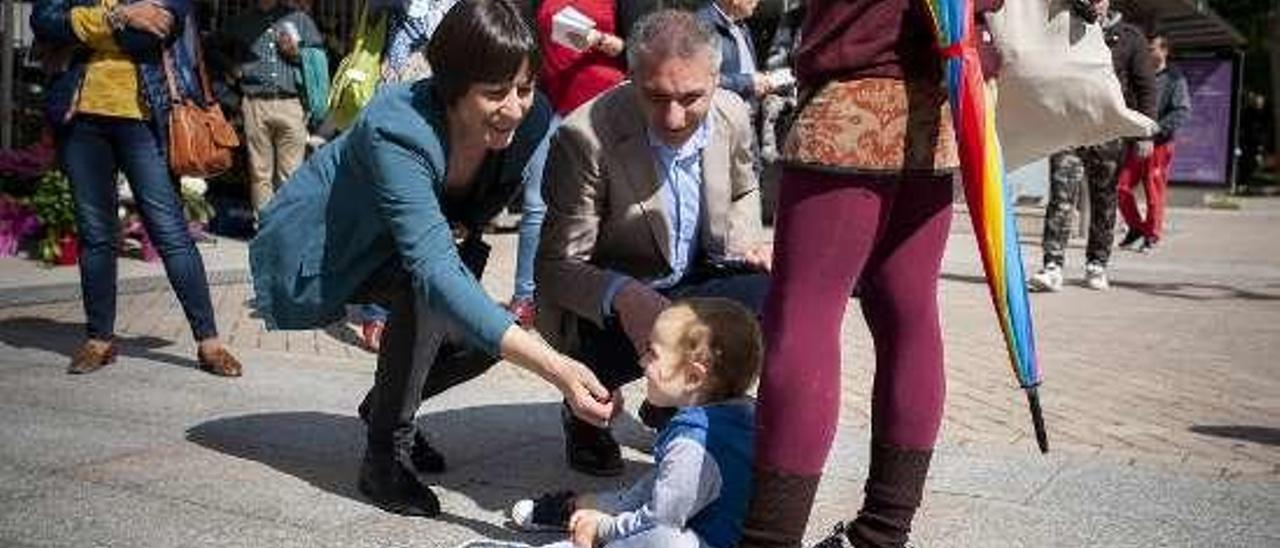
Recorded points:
(391, 213)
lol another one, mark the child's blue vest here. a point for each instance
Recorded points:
(727, 432)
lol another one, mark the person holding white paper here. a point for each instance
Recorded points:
(578, 66)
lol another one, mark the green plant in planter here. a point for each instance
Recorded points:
(55, 208)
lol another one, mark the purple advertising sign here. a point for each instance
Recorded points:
(1203, 144)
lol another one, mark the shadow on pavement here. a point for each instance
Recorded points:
(325, 450)
(64, 338)
(1256, 434)
(1172, 290)
(1198, 291)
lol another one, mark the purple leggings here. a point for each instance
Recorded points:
(885, 235)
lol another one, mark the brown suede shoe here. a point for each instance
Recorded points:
(91, 357)
(220, 362)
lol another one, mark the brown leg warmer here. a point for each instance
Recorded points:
(894, 488)
(779, 510)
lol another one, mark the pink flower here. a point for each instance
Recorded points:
(17, 222)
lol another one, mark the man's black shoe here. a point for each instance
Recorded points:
(655, 417)
(589, 449)
(395, 488)
(425, 458)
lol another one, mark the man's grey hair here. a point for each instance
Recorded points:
(669, 33)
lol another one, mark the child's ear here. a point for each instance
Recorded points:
(696, 374)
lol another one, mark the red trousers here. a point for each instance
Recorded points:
(1153, 171)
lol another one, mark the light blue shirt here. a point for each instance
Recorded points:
(680, 170)
(680, 174)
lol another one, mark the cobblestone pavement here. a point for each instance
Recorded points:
(1176, 366)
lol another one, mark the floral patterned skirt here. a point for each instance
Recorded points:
(873, 126)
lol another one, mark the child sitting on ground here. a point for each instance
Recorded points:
(704, 354)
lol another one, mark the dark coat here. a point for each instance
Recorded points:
(1133, 65)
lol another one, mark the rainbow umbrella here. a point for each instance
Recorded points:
(988, 197)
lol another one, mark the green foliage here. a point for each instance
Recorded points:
(55, 208)
(53, 203)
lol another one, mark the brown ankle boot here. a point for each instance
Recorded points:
(779, 510)
(894, 488)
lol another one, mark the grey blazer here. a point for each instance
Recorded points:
(605, 212)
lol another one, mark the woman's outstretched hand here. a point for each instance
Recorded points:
(587, 398)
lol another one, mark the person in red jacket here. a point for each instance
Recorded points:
(573, 75)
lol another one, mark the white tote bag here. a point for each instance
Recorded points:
(1057, 87)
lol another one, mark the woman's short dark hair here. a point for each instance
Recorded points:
(480, 41)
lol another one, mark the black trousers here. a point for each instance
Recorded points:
(422, 354)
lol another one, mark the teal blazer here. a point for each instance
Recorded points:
(374, 194)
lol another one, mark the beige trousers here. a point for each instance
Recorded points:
(275, 131)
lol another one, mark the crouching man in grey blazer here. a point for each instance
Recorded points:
(651, 197)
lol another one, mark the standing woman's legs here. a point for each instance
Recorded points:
(827, 227)
(85, 152)
(144, 164)
(899, 297)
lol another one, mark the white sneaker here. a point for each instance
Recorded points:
(549, 512)
(1095, 277)
(1048, 279)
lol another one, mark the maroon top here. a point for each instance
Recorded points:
(850, 39)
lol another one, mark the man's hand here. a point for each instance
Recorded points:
(587, 398)
(583, 525)
(761, 85)
(760, 257)
(148, 16)
(637, 306)
(1143, 148)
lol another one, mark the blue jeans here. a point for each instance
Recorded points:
(92, 149)
(532, 212)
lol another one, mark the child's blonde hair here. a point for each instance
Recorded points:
(724, 337)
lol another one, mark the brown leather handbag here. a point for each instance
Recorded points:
(201, 141)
